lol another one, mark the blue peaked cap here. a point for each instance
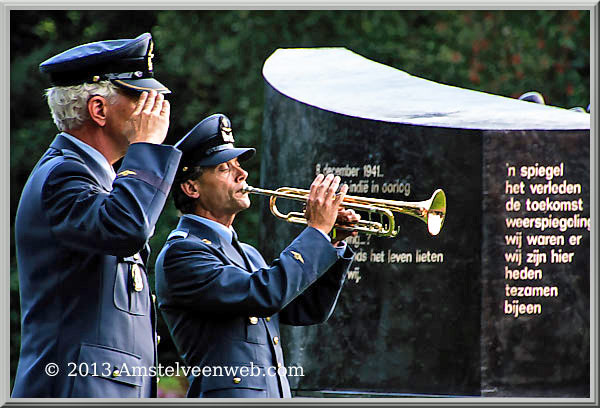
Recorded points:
(209, 143)
(126, 63)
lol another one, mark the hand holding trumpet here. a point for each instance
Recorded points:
(323, 207)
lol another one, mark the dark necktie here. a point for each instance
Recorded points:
(236, 244)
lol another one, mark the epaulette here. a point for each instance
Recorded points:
(177, 234)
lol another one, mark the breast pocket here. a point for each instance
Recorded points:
(105, 372)
(256, 331)
(131, 292)
(241, 381)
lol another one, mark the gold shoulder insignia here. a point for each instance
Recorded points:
(206, 241)
(126, 173)
(297, 256)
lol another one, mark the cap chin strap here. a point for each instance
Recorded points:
(127, 75)
(219, 148)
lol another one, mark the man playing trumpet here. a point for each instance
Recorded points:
(221, 301)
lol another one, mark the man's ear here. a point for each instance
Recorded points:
(190, 188)
(97, 108)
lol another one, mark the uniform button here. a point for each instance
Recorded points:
(254, 320)
(157, 380)
(268, 319)
(276, 340)
(157, 339)
(153, 298)
(116, 373)
(278, 365)
(237, 380)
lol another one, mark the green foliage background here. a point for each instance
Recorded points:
(212, 61)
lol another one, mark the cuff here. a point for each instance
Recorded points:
(341, 250)
(327, 237)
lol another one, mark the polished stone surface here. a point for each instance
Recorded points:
(431, 327)
(536, 354)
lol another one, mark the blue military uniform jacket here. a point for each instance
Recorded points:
(222, 313)
(85, 301)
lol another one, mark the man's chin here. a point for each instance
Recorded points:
(243, 202)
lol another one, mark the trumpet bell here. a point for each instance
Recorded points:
(437, 212)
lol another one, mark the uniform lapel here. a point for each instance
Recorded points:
(255, 263)
(233, 254)
(202, 232)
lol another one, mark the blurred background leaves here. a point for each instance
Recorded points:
(212, 62)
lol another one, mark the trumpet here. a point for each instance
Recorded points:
(432, 211)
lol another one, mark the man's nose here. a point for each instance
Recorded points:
(242, 175)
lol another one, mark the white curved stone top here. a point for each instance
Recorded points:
(341, 81)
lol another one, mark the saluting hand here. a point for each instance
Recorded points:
(150, 119)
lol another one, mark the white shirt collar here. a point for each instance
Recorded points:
(94, 154)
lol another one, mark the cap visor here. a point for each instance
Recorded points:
(141, 85)
(226, 155)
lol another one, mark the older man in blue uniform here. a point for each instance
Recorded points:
(81, 230)
(221, 301)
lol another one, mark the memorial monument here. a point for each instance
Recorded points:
(496, 304)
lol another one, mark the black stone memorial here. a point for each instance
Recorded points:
(496, 304)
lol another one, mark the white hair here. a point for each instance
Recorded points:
(68, 104)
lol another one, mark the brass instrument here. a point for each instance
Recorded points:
(432, 211)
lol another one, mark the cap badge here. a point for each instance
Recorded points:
(150, 55)
(226, 131)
